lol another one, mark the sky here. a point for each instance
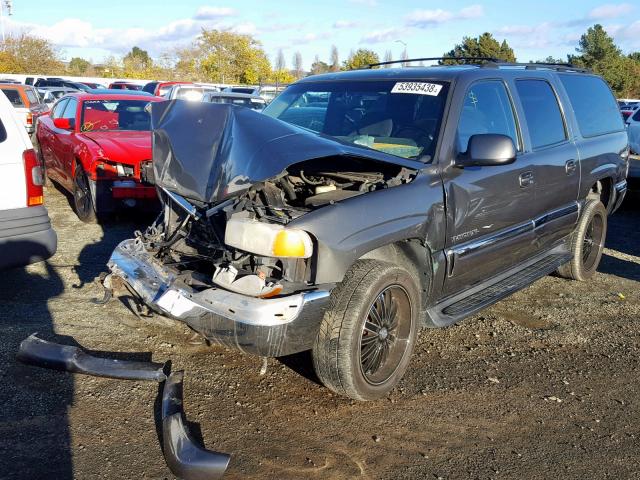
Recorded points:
(535, 30)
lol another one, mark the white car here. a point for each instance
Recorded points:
(26, 235)
(192, 93)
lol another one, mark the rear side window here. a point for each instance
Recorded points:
(542, 112)
(487, 109)
(58, 108)
(32, 96)
(14, 97)
(70, 109)
(595, 108)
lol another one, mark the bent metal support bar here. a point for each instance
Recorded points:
(184, 457)
(38, 352)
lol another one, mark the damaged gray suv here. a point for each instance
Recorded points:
(363, 205)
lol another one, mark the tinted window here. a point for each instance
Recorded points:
(487, 109)
(379, 115)
(541, 110)
(70, 109)
(593, 103)
(14, 97)
(636, 116)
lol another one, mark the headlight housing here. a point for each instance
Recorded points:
(267, 239)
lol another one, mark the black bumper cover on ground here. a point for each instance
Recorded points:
(38, 352)
(183, 456)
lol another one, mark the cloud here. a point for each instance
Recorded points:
(529, 36)
(345, 24)
(367, 3)
(429, 18)
(214, 13)
(379, 36)
(626, 35)
(310, 38)
(609, 10)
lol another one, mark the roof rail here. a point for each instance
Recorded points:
(407, 60)
(492, 62)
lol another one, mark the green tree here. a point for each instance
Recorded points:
(78, 66)
(483, 46)
(138, 59)
(318, 66)
(595, 46)
(228, 57)
(26, 53)
(361, 58)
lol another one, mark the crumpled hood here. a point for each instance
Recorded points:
(128, 147)
(209, 152)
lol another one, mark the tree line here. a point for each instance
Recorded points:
(220, 56)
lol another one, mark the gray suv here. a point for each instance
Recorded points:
(363, 205)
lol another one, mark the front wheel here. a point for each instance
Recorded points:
(82, 199)
(368, 333)
(587, 242)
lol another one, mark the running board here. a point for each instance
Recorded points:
(457, 307)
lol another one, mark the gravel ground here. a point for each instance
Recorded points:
(541, 385)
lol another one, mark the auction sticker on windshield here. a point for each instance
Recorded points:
(419, 88)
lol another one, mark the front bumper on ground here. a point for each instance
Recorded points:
(26, 236)
(110, 195)
(266, 327)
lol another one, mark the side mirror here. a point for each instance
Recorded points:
(64, 123)
(488, 149)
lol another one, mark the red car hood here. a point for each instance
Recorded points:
(127, 146)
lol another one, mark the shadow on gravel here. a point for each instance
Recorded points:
(622, 236)
(302, 364)
(34, 429)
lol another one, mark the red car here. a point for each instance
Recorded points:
(124, 86)
(98, 146)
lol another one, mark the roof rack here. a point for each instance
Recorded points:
(407, 60)
(492, 62)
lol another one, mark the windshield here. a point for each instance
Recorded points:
(253, 103)
(399, 118)
(109, 115)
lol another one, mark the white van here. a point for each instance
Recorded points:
(26, 235)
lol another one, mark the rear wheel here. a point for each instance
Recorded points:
(368, 334)
(587, 242)
(82, 199)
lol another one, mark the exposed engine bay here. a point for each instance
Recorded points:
(203, 244)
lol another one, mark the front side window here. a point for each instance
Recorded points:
(400, 118)
(542, 113)
(58, 108)
(109, 115)
(487, 109)
(70, 109)
(32, 96)
(593, 104)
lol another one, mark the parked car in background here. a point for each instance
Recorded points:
(49, 95)
(255, 102)
(27, 103)
(360, 206)
(190, 92)
(242, 89)
(628, 109)
(160, 89)
(93, 85)
(633, 130)
(98, 147)
(124, 86)
(59, 82)
(26, 235)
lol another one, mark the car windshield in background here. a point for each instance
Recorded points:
(108, 115)
(396, 117)
(191, 94)
(255, 104)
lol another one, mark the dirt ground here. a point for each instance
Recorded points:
(541, 385)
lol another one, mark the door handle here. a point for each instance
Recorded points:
(570, 167)
(525, 179)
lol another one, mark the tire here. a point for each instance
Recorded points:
(82, 200)
(367, 363)
(587, 242)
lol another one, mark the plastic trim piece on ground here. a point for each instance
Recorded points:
(183, 456)
(38, 352)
